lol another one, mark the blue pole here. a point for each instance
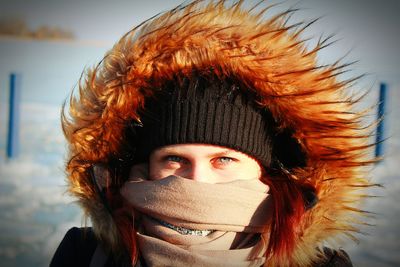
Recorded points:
(14, 116)
(381, 127)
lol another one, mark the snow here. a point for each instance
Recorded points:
(35, 211)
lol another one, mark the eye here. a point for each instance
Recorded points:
(174, 161)
(173, 158)
(224, 161)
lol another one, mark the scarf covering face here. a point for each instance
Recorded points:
(189, 223)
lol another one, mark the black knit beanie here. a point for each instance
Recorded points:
(208, 111)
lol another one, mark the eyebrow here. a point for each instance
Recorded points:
(220, 154)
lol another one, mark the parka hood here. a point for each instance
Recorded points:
(268, 56)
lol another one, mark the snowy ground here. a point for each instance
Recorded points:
(35, 212)
(34, 209)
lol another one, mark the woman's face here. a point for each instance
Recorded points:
(203, 163)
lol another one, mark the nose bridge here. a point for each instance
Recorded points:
(199, 171)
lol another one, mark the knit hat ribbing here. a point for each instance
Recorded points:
(207, 111)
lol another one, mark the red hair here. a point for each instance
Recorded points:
(288, 206)
(124, 217)
(124, 221)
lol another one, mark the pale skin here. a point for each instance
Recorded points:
(203, 163)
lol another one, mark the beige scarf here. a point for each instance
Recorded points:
(228, 219)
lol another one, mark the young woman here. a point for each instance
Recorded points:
(209, 136)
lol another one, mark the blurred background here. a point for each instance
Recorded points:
(49, 43)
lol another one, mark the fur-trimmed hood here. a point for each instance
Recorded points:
(268, 56)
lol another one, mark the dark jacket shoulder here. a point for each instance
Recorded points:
(80, 248)
(76, 248)
(336, 258)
